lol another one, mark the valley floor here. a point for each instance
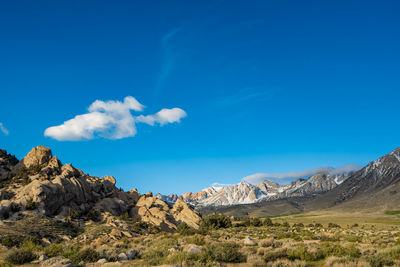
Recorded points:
(324, 238)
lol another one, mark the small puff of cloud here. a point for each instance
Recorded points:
(259, 177)
(3, 129)
(164, 116)
(109, 119)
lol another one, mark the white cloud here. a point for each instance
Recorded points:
(3, 129)
(108, 119)
(259, 177)
(164, 116)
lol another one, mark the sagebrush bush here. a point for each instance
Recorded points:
(267, 222)
(223, 252)
(185, 229)
(53, 250)
(216, 222)
(11, 240)
(86, 255)
(31, 245)
(20, 256)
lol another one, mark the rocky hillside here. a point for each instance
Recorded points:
(246, 193)
(377, 184)
(40, 185)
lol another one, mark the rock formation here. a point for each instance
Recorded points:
(41, 184)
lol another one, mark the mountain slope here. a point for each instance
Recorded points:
(375, 185)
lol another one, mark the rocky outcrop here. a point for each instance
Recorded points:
(151, 209)
(37, 156)
(182, 212)
(42, 184)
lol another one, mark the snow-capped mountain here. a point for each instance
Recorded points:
(246, 193)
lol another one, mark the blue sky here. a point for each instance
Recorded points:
(267, 86)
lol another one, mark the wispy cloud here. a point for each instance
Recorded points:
(4, 129)
(221, 185)
(109, 119)
(259, 177)
(168, 58)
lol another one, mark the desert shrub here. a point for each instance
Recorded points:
(155, 256)
(333, 225)
(85, 255)
(30, 205)
(310, 225)
(298, 225)
(301, 253)
(216, 222)
(72, 214)
(222, 252)
(266, 243)
(380, 260)
(31, 244)
(353, 238)
(318, 225)
(144, 228)
(394, 253)
(11, 240)
(286, 224)
(355, 225)
(275, 255)
(70, 252)
(327, 249)
(185, 229)
(20, 256)
(267, 222)
(256, 222)
(353, 252)
(327, 238)
(197, 240)
(53, 250)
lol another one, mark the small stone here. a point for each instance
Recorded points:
(122, 256)
(248, 241)
(194, 249)
(42, 258)
(102, 261)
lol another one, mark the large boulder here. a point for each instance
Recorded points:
(39, 155)
(182, 212)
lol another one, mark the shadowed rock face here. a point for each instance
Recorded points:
(7, 162)
(41, 183)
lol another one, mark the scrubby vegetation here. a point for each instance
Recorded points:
(218, 241)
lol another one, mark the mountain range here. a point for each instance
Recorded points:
(376, 185)
(246, 193)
